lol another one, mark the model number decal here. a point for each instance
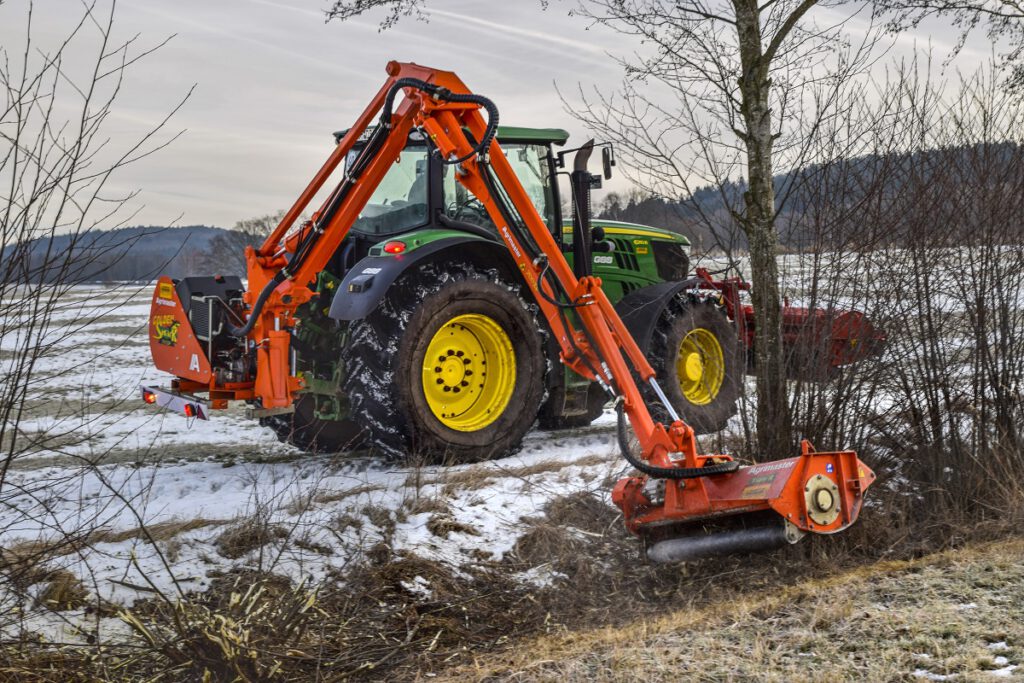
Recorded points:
(604, 260)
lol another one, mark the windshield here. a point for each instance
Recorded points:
(531, 166)
(400, 201)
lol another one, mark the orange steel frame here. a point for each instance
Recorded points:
(444, 123)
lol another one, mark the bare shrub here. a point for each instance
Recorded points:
(922, 231)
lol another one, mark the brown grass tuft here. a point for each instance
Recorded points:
(246, 536)
(443, 524)
(63, 591)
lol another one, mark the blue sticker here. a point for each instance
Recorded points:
(828, 467)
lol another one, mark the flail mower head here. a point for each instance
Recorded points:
(687, 514)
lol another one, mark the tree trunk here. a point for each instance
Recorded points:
(774, 423)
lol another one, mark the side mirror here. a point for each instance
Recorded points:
(607, 161)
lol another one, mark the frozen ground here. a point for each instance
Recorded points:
(954, 616)
(154, 494)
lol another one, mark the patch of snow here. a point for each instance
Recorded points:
(418, 586)
(1005, 672)
(542, 576)
(999, 647)
(928, 675)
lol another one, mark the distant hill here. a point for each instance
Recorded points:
(837, 189)
(138, 253)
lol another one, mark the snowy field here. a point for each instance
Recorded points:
(153, 493)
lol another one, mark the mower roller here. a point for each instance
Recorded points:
(496, 289)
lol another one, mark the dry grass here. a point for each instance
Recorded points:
(422, 504)
(878, 622)
(63, 591)
(162, 531)
(397, 616)
(325, 497)
(247, 535)
(444, 524)
(37, 551)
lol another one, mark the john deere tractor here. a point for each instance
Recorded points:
(440, 348)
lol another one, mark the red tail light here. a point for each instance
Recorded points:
(149, 397)
(394, 247)
(190, 410)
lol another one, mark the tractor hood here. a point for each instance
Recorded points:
(621, 228)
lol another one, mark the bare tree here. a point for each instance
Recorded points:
(1001, 20)
(56, 166)
(57, 163)
(226, 254)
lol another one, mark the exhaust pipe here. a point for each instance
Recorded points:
(719, 543)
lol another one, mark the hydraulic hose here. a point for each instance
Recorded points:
(666, 472)
(448, 96)
(257, 307)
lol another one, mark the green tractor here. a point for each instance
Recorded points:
(425, 339)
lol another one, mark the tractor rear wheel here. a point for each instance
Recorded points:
(449, 366)
(696, 355)
(303, 429)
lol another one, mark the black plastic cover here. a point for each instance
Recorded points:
(227, 287)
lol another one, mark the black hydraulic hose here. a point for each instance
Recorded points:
(265, 293)
(666, 472)
(543, 277)
(448, 96)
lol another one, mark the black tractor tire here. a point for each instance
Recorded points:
(386, 352)
(550, 420)
(682, 317)
(304, 430)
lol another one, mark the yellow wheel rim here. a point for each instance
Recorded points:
(469, 372)
(700, 366)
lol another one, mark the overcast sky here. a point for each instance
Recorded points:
(273, 81)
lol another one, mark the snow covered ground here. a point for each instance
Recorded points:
(158, 497)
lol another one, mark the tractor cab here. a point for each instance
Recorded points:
(419, 191)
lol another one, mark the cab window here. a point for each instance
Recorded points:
(400, 201)
(531, 167)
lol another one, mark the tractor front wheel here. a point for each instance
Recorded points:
(450, 366)
(696, 356)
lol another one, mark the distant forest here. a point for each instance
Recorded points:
(823, 205)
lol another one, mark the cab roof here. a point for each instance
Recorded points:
(555, 136)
